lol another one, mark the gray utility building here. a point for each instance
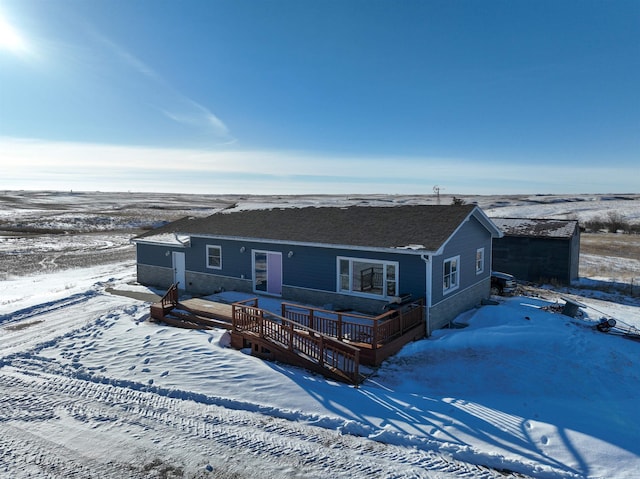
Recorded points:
(538, 250)
(360, 258)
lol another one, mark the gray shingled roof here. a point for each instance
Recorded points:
(547, 228)
(424, 227)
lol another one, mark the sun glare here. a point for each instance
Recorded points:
(10, 39)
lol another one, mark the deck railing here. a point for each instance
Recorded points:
(310, 344)
(374, 331)
(170, 298)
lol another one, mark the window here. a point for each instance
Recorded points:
(357, 275)
(214, 257)
(451, 275)
(479, 260)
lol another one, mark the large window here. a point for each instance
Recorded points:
(356, 275)
(214, 257)
(451, 276)
(479, 260)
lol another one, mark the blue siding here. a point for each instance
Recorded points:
(156, 255)
(316, 268)
(235, 263)
(310, 267)
(465, 243)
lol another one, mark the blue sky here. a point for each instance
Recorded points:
(287, 97)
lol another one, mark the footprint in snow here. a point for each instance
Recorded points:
(146, 361)
(544, 440)
(164, 373)
(131, 368)
(146, 370)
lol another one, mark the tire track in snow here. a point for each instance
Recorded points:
(68, 315)
(51, 306)
(298, 448)
(85, 391)
(27, 455)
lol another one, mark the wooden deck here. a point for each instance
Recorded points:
(194, 313)
(329, 342)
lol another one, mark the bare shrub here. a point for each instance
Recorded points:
(616, 222)
(613, 223)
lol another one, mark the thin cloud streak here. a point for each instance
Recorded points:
(183, 109)
(28, 163)
(94, 65)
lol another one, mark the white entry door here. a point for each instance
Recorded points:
(178, 269)
(267, 272)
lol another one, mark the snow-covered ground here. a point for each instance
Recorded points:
(91, 388)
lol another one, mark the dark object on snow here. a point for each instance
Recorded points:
(502, 284)
(571, 307)
(606, 324)
(617, 327)
(489, 302)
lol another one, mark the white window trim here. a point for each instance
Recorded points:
(219, 248)
(382, 263)
(455, 286)
(480, 270)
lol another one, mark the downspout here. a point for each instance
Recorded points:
(427, 296)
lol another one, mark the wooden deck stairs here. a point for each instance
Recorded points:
(331, 343)
(191, 313)
(274, 337)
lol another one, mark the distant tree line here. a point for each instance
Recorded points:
(613, 222)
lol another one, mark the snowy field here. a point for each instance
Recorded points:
(91, 388)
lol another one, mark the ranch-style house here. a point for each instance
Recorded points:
(358, 258)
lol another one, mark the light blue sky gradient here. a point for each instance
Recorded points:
(320, 96)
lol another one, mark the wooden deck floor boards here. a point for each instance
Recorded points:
(221, 311)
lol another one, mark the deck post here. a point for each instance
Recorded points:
(311, 319)
(339, 332)
(321, 351)
(174, 294)
(261, 322)
(356, 367)
(290, 335)
(234, 326)
(374, 342)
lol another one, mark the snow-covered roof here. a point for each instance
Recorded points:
(547, 228)
(411, 227)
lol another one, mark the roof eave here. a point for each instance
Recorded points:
(483, 219)
(159, 243)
